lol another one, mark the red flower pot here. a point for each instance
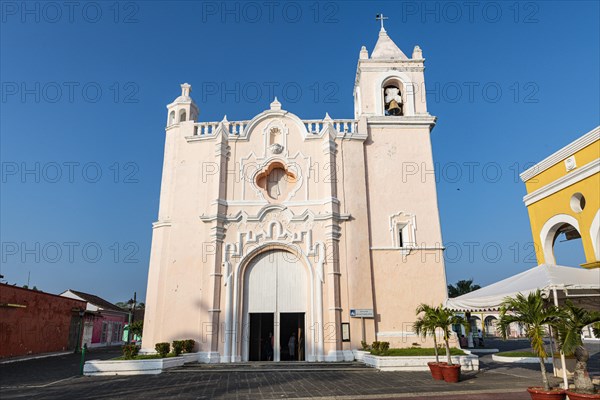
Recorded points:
(451, 373)
(538, 393)
(436, 370)
(582, 396)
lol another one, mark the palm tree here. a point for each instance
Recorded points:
(462, 287)
(425, 325)
(444, 318)
(533, 314)
(569, 327)
(434, 318)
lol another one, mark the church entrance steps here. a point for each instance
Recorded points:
(272, 366)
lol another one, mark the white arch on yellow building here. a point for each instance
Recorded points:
(549, 232)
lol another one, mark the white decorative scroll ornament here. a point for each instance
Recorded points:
(276, 148)
(275, 137)
(275, 226)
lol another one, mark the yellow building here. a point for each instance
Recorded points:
(563, 196)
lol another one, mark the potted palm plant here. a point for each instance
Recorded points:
(533, 313)
(423, 326)
(444, 318)
(569, 326)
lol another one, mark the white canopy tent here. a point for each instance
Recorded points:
(556, 282)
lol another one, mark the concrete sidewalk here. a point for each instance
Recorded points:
(40, 371)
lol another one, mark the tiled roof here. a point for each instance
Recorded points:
(98, 301)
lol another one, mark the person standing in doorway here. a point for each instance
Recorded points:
(269, 347)
(480, 337)
(300, 346)
(292, 346)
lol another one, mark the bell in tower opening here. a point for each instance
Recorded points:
(393, 101)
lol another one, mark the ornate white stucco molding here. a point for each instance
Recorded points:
(406, 222)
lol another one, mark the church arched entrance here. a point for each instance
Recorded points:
(275, 307)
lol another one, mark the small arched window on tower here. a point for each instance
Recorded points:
(182, 116)
(392, 99)
(171, 117)
(403, 229)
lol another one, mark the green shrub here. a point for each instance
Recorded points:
(162, 348)
(178, 347)
(188, 345)
(364, 345)
(380, 348)
(130, 351)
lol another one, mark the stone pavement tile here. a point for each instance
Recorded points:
(270, 385)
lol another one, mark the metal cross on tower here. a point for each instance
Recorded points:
(381, 17)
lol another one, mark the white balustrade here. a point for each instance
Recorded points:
(313, 127)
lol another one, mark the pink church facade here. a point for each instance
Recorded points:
(279, 228)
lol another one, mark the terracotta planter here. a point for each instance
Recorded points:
(538, 393)
(436, 370)
(451, 373)
(582, 396)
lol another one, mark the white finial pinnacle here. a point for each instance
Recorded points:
(417, 53)
(275, 105)
(381, 18)
(225, 118)
(364, 54)
(327, 117)
(186, 88)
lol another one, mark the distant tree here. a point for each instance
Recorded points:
(126, 305)
(137, 328)
(462, 287)
(122, 305)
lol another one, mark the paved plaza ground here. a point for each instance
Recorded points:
(55, 378)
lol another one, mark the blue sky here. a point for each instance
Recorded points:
(84, 90)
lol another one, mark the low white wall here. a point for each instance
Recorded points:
(522, 360)
(468, 362)
(359, 354)
(130, 367)
(480, 350)
(137, 367)
(190, 357)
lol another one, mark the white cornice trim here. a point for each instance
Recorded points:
(561, 154)
(325, 201)
(571, 178)
(395, 334)
(408, 248)
(412, 120)
(160, 224)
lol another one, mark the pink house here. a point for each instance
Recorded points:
(103, 321)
